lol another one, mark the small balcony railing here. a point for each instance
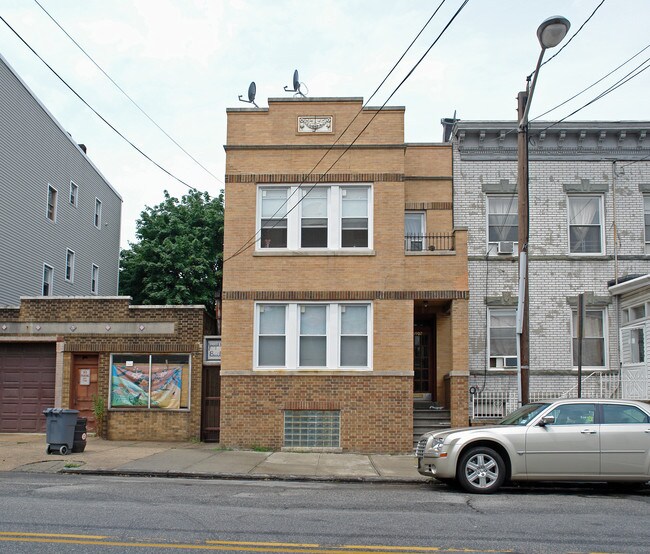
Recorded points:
(430, 243)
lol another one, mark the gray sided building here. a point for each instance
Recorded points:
(59, 217)
(589, 197)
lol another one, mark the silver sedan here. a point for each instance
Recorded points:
(557, 440)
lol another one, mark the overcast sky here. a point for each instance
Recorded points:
(184, 62)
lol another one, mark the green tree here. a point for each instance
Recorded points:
(177, 259)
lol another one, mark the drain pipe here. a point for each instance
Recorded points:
(614, 222)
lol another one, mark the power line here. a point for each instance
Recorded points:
(251, 241)
(127, 96)
(592, 85)
(95, 111)
(622, 81)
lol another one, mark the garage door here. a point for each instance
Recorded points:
(27, 374)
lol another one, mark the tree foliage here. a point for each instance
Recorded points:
(177, 259)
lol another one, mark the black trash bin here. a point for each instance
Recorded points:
(79, 443)
(59, 429)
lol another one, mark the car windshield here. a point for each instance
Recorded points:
(524, 414)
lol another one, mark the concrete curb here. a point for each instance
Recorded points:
(243, 476)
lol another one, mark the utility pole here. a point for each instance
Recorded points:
(522, 237)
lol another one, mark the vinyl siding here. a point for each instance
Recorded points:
(34, 152)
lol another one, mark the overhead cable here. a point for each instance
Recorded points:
(127, 96)
(251, 241)
(136, 148)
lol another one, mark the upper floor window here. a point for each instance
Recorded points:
(646, 216)
(585, 225)
(322, 217)
(51, 202)
(94, 279)
(414, 231)
(69, 265)
(48, 278)
(593, 338)
(503, 224)
(98, 213)
(502, 338)
(74, 194)
(313, 336)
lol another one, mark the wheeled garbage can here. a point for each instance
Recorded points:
(59, 429)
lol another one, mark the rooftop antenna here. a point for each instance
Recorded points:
(252, 90)
(296, 85)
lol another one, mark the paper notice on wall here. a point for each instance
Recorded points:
(84, 377)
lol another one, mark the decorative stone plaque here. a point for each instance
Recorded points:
(315, 124)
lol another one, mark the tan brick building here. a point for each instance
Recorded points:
(345, 282)
(144, 362)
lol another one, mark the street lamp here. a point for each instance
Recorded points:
(550, 33)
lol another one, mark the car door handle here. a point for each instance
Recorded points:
(647, 431)
(588, 432)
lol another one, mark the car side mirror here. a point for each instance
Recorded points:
(547, 420)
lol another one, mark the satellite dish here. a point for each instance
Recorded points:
(252, 91)
(296, 85)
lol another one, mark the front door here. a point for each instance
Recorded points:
(423, 362)
(84, 386)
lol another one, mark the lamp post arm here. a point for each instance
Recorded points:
(524, 118)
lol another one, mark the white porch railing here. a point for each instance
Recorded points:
(498, 404)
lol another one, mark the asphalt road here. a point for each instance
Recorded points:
(77, 513)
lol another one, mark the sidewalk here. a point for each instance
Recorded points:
(26, 452)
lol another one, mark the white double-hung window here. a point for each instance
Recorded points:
(503, 222)
(307, 217)
(594, 353)
(313, 335)
(585, 224)
(502, 338)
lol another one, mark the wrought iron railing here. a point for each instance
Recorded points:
(430, 243)
(498, 404)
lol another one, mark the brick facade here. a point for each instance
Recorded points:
(404, 289)
(603, 159)
(110, 325)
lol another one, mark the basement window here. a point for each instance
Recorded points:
(312, 429)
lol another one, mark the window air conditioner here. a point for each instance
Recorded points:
(505, 247)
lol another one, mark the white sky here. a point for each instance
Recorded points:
(186, 61)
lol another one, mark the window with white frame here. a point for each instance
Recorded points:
(502, 338)
(74, 194)
(503, 223)
(94, 279)
(313, 335)
(48, 278)
(98, 213)
(51, 202)
(69, 265)
(593, 338)
(315, 217)
(585, 224)
(646, 217)
(150, 381)
(414, 231)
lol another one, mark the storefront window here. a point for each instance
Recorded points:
(158, 381)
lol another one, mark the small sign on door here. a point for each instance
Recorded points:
(84, 377)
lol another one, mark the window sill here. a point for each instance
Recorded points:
(312, 371)
(319, 252)
(429, 252)
(149, 410)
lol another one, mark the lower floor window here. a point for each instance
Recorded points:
(593, 339)
(502, 338)
(312, 428)
(313, 335)
(150, 381)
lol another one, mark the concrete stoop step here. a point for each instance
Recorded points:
(427, 416)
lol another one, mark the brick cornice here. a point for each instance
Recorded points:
(347, 295)
(292, 178)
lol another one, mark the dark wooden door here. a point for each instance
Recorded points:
(211, 404)
(424, 362)
(84, 386)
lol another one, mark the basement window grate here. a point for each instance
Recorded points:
(312, 429)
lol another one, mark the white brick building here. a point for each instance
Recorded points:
(587, 179)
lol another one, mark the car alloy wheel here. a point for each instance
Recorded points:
(481, 470)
